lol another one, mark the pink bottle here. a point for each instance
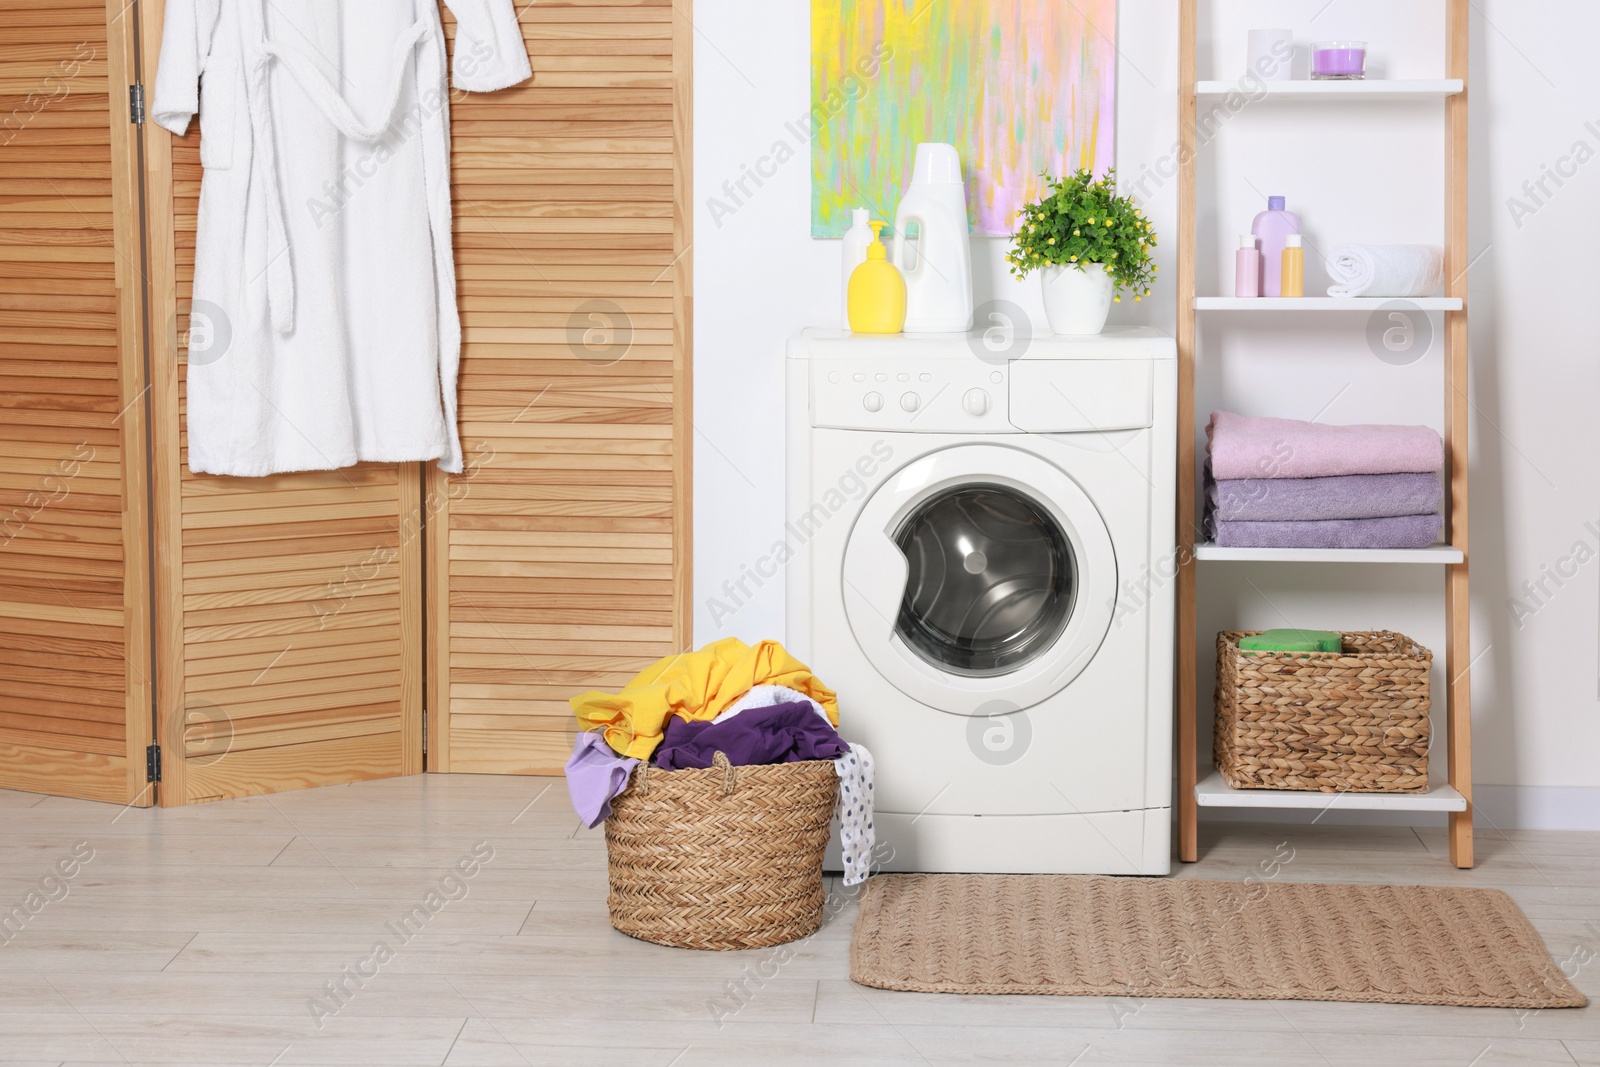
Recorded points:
(1247, 277)
(1271, 227)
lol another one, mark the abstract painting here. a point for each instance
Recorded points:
(1018, 86)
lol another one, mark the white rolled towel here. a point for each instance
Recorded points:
(1386, 270)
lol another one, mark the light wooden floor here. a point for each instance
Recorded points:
(202, 935)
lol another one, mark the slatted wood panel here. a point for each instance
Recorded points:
(289, 636)
(560, 560)
(74, 633)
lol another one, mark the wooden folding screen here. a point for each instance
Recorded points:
(74, 608)
(273, 628)
(560, 560)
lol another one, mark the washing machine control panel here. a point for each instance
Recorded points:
(922, 396)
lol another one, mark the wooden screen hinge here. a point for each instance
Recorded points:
(152, 763)
(136, 104)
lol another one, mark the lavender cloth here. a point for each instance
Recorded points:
(1404, 531)
(1353, 496)
(779, 733)
(595, 775)
(1247, 447)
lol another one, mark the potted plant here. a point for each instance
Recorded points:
(1088, 243)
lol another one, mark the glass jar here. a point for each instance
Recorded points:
(1339, 61)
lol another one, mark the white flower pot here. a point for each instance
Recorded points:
(1077, 300)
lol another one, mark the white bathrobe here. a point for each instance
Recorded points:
(325, 330)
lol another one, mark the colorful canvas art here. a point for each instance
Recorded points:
(1018, 86)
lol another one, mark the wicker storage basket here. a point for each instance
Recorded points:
(1334, 722)
(722, 858)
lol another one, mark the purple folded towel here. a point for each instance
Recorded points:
(1403, 531)
(1248, 447)
(1354, 496)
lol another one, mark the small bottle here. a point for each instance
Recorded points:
(877, 297)
(1272, 226)
(1294, 265)
(856, 240)
(1247, 277)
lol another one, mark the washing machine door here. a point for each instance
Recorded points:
(979, 579)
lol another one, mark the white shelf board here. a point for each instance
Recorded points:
(1213, 792)
(1323, 303)
(1432, 554)
(1375, 90)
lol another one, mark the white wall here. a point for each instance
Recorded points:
(1363, 173)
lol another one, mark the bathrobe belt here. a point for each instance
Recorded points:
(280, 265)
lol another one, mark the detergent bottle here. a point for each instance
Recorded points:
(936, 261)
(854, 250)
(877, 297)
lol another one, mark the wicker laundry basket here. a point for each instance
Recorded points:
(1351, 721)
(721, 858)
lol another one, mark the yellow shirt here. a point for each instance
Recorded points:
(693, 685)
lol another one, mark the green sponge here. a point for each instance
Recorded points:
(1293, 641)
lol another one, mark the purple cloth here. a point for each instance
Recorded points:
(1354, 496)
(781, 733)
(1245, 447)
(595, 775)
(1404, 531)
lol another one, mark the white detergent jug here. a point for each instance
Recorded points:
(937, 262)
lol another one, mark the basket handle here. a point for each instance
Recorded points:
(718, 759)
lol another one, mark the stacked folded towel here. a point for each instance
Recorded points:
(1281, 483)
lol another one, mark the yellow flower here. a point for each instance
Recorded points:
(1119, 299)
(1091, 222)
(1051, 241)
(1108, 223)
(1138, 300)
(1074, 259)
(1077, 233)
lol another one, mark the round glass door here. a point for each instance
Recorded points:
(992, 580)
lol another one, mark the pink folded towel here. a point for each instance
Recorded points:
(1243, 446)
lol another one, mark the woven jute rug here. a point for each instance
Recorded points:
(1170, 937)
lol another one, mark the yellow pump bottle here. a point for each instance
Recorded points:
(876, 299)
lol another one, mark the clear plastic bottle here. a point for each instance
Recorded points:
(1294, 266)
(1271, 227)
(1247, 274)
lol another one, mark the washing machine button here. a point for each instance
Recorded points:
(910, 401)
(873, 401)
(882, 377)
(925, 377)
(996, 377)
(903, 376)
(833, 376)
(976, 402)
(858, 376)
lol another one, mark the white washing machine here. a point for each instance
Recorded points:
(981, 561)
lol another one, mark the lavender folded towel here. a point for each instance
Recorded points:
(1354, 496)
(1403, 531)
(1249, 447)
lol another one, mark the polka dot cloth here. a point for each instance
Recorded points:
(854, 812)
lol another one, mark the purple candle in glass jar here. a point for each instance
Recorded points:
(1339, 60)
